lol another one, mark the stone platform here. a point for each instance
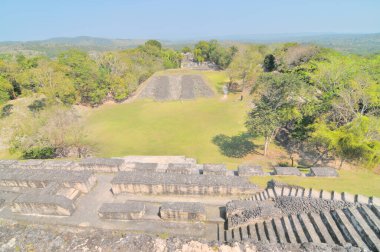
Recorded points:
(183, 211)
(182, 184)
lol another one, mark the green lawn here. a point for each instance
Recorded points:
(362, 182)
(167, 128)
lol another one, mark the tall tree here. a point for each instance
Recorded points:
(282, 96)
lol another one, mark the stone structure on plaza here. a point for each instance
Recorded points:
(250, 170)
(214, 169)
(181, 184)
(183, 211)
(287, 171)
(323, 172)
(131, 210)
(157, 193)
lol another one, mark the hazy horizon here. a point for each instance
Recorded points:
(23, 20)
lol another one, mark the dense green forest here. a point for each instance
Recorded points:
(317, 103)
(78, 77)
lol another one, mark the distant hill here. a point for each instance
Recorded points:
(363, 44)
(52, 47)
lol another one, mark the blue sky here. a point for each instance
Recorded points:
(183, 19)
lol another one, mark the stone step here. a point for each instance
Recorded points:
(261, 229)
(376, 210)
(219, 232)
(278, 191)
(300, 192)
(280, 230)
(271, 233)
(289, 230)
(298, 229)
(286, 191)
(244, 233)
(253, 233)
(354, 234)
(371, 219)
(363, 229)
(271, 193)
(235, 234)
(227, 236)
(338, 235)
(319, 225)
(310, 229)
(292, 191)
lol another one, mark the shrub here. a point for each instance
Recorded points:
(6, 110)
(39, 153)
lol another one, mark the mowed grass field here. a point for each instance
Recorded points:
(145, 127)
(356, 182)
(166, 128)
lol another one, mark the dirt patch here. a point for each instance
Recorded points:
(175, 87)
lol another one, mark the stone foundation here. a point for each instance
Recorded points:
(182, 168)
(102, 164)
(37, 178)
(130, 210)
(287, 171)
(215, 169)
(323, 172)
(250, 170)
(186, 184)
(183, 211)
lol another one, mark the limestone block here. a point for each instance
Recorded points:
(285, 191)
(102, 164)
(250, 170)
(182, 168)
(183, 184)
(7, 163)
(183, 211)
(376, 201)
(214, 169)
(362, 199)
(348, 197)
(130, 210)
(285, 171)
(326, 195)
(315, 193)
(43, 204)
(323, 172)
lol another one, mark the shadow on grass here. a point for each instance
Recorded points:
(236, 146)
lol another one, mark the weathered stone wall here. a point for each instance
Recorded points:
(298, 205)
(167, 183)
(215, 169)
(39, 178)
(323, 172)
(43, 203)
(130, 210)
(183, 211)
(102, 164)
(242, 212)
(285, 171)
(250, 170)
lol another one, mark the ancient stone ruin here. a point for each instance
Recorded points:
(180, 183)
(183, 211)
(122, 211)
(287, 171)
(323, 172)
(175, 87)
(175, 195)
(250, 170)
